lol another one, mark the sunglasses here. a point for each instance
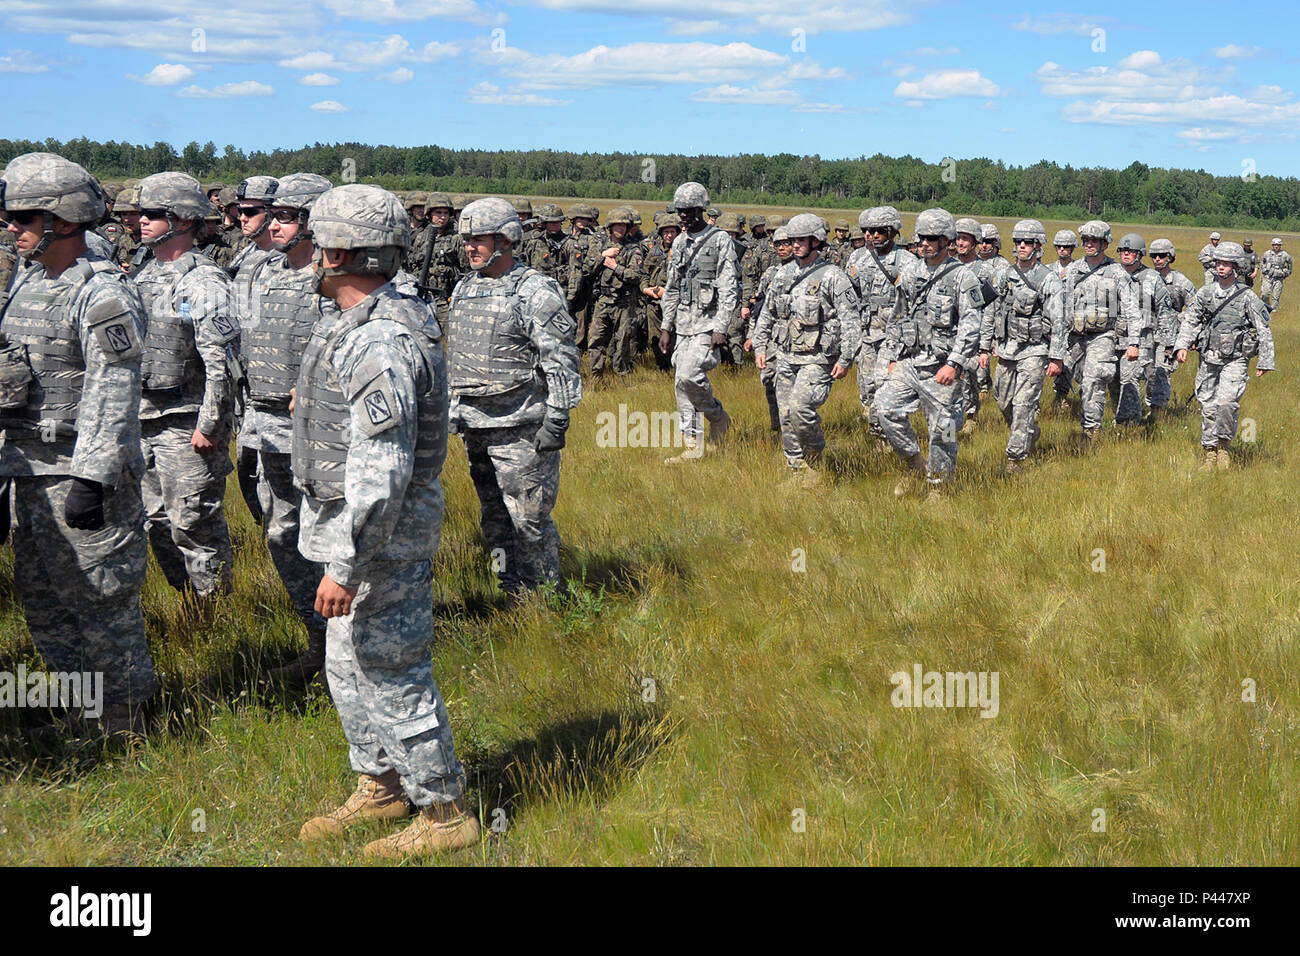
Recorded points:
(153, 213)
(879, 230)
(930, 238)
(283, 215)
(1159, 255)
(251, 212)
(24, 217)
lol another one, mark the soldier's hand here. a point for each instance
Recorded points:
(1131, 354)
(838, 372)
(550, 437)
(718, 340)
(1181, 355)
(665, 341)
(611, 262)
(84, 507)
(946, 375)
(1262, 371)
(332, 598)
(760, 359)
(744, 312)
(984, 360)
(609, 253)
(749, 345)
(201, 442)
(292, 395)
(1054, 368)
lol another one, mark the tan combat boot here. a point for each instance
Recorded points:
(1012, 467)
(1211, 460)
(1091, 439)
(306, 665)
(692, 450)
(376, 798)
(441, 828)
(915, 472)
(1225, 462)
(718, 431)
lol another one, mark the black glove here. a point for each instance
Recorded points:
(246, 471)
(550, 437)
(4, 511)
(84, 507)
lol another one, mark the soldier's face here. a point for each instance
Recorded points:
(554, 228)
(283, 232)
(479, 249)
(669, 233)
(1026, 250)
(803, 247)
(1224, 269)
(1160, 260)
(417, 213)
(859, 242)
(841, 234)
(784, 250)
(1093, 246)
(1277, 247)
(934, 247)
(1128, 257)
(965, 243)
(881, 236)
(986, 249)
(27, 228)
(581, 223)
(618, 230)
(152, 229)
(251, 216)
(1065, 252)
(440, 216)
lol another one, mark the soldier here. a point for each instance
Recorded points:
(70, 382)
(1276, 268)
(1206, 257)
(370, 439)
(231, 231)
(132, 254)
(1227, 324)
(188, 389)
(416, 206)
(615, 316)
(1157, 320)
(211, 243)
(585, 260)
(930, 341)
(110, 227)
(213, 192)
(712, 215)
(1065, 242)
(756, 261)
(1101, 314)
(733, 353)
(838, 250)
(1028, 336)
(811, 315)
(1181, 291)
(547, 249)
(967, 251)
(699, 296)
(857, 239)
(874, 272)
(654, 273)
(514, 374)
(285, 308)
(447, 262)
(1251, 267)
(767, 370)
(523, 207)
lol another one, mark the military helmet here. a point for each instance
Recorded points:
(781, 234)
(1215, 235)
(110, 190)
(880, 217)
(1095, 229)
(523, 206)
(623, 214)
(989, 233)
(212, 215)
(728, 222)
(491, 217)
(300, 190)
(1065, 237)
(1030, 229)
(775, 220)
(459, 201)
(358, 216)
(968, 226)
(178, 194)
(1248, 242)
(806, 224)
(227, 197)
(842, 224)
(257, 187)
(128, 200)
(855, 232)
(1131, 242)
(1163, 247)
(667, 219)
(1231, 252)
(756, 220)
(437, 201)
(213, 185)
(409, 202)
(690, 196)
(713, 212)
(1277, 241)
(550, 212)
(51, 184)
(740, 218)
(935, 222)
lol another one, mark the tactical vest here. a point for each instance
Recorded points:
(488, 349)
(929, 324)
(38, 321)
(1229, 333)
(1178, 294)
(797, 306)
(170, 354)
(1022, 319)
(273, 346)
(880, 293)
(698, 271)
(1095, 301)
(322, 416)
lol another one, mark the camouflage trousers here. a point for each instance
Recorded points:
(184, 493)
(969, 391)
(517, 487)
(1270, 290)
(380, 675)
(767, 378)
(653, 319)
(737, 331)
(800, 391)
(1018, 389)
(870, 373)
(1092, 357)
(612, 338)
(984, 376)
(693, 359)
(908, 388)
(1125, 386)
(81, 589)
(280, 500)
(1069, 377)
(1219, 389)
(1156, 375)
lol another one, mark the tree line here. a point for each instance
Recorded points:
(979, 186)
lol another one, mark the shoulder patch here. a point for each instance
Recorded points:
(375, 407)
(114, 330)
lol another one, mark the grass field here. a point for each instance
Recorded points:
(714, 687)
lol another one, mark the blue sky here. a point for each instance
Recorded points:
(1183, 84)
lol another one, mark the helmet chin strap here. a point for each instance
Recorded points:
(496, 254)
(171, 231)
(298, 237)
(48, 236)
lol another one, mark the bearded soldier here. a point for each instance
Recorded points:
(72, 328)
(811, 314)
(1027, 335)
(1227, 324)
(1181, 291)
(699, 297)
(874, 270)
(929, 342)
(612, 338)
(369, 440)
(188, 389)
(515, 377)
(1276, 267)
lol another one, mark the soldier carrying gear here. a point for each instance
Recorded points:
(1158, 321)
(733, 352)
(295, 195)
(256, 190)
(874, 272)
(969, 250)
(1181, 290)
(1276, 266)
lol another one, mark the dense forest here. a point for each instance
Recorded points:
(978, 186)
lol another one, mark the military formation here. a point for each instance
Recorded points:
(338, 335)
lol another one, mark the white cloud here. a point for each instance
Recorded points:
(328, 106)
(226, 90)
(394, 11)
(315, 60)
(1229, 108)
(358, 55)
(1234, 52)
(319, 79)
(694, 28)
(164, 74)
(640, 64)
(827, 108)
(1141, 76)
(902, 71)
(1048, 24)
(726, 93)
(399, 75)
(1201, 133)
(808, 70)
(22, 61)
(742, 16)
(947, 83)
(487, 94)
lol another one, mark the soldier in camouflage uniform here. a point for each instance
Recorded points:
(547, 250)
(1028, 336)
(733, 353)
(417, 211)
(188, 389)
(616, 315)
(874, 270)
(1251, 267)
(514, 374)
(1227, 324)
(211, 243)
(1065, 242)
(110, 227)
(1206, 258)
(1276, 267)
(966, 250)
(8, 262)
(285, 308)
(131, 253)
(989, 251)
(699, 296)
(447, 262)
(1103, 319)
(760, 257)
(1181, 290)
(767, 368)
(370, 439)
(69, 409)
(929, 342)
(1157, 319)
(523, 207)
(654, 273)
(812, 317)
(231, 231)
(838, 250)
(585, 261)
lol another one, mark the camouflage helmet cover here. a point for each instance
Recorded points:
(523, 206)
(690, 196)
(969, 226)
(806, 224)
(842, 224)
(1029, 229)
(713, 212)
(1065, 237)
(756, 220)
(936, 222)
(128, 200)
(437, 201)
(989, 233)
(1131, 242)
(227, 197)
(667, 219)
(358, 216)
(1095, 229)
(258, 187)
(177, 193)
(50, 183)
(1248, 242)
(491, 217)
(855, 232)
(729, 222)
(300, 190)
(1230, 252)
(1163, 247)
(623, 214)
(550, 212)
(881, 217)
(781, 234)
(775, 221)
